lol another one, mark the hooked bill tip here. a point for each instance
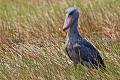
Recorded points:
(64, 29)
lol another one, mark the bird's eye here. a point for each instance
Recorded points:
(71, 13)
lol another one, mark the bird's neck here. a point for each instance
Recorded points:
(73, 30)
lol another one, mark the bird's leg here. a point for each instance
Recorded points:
(75, 62)
(87, 64)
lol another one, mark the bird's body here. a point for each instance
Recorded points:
(77, 48)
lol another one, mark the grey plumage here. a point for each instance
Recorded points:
(77, 48)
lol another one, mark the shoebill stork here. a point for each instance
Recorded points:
(77, 48)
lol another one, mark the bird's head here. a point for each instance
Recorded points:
(72, 15)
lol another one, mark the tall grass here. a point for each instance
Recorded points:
(32, 40)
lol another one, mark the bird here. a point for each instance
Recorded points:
(78, 49)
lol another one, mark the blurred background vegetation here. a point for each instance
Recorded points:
(32, 40)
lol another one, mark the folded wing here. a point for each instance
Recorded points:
(88, 53)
